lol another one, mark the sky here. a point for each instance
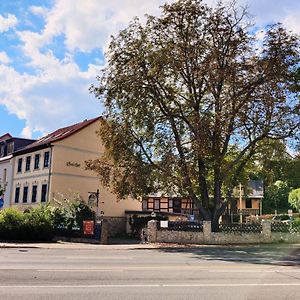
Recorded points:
(52, 50)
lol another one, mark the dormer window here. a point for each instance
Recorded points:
(2, 150)
(10, 148)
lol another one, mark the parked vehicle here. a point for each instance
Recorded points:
(282, 219)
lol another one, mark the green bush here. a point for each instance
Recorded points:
(294, 198)
(71, 216)
(32, 225)
(41, 222)
(296, 222)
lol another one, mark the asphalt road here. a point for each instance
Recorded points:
(209, 272)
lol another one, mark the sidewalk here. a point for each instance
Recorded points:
(128, 245)
(78, 246)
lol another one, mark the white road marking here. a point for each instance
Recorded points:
(173, 268)
(99, 257)
(82, 270)
(155, 285)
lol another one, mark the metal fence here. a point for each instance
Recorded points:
(182, 226)
(285, 227)
(240, 228)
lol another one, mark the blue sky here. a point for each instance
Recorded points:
(52, 50)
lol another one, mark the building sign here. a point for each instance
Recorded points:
(72, 164)
(88, 227)
(164, 224)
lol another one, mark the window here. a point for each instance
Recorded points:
(1, 150)
(27, 166)
(17, 195)
(44, 193)
(248, 203)
(156, 204)
(25, 194)
(10, 148)
(177, 205)
(46, 159)
(34, 193)
(36, 161)
(145, 204)
(19, 165)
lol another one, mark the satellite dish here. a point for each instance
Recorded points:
(153, 214)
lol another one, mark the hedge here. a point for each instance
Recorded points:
(41, 223)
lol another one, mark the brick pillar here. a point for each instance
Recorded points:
(152, 231)
(207, 230)
(266, 230)
(104, 232)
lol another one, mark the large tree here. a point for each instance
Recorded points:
(189, 97)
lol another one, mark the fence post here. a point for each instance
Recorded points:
(207, 230)
(104, 232)
(152, 231)
(266, 230)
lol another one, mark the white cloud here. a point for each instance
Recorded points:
(47, 102)
(7, 23)
(57, 94)
(38, 10)
(292, 22)
(88, 24)
(4, 59)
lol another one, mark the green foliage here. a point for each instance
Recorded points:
(296, 222)
(186, 89)
(294, 198)
(71, 216)
(276, 197)
(33, 225)
(41, 222)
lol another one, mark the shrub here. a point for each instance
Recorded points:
(11, 221)
(294, 198)
(296, 222)
(37, 224)
(71, 216)
(32, 225)
(40, 223)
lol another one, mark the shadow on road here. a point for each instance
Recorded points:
(274, 254)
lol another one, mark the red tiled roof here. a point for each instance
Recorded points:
(59, 134)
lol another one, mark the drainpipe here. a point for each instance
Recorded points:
(49, 173)
(12, 181)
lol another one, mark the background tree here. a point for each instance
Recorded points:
(294, 198)
(189, 97)
(276, 197)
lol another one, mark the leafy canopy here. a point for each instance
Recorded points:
(294, 198)
(189, 96)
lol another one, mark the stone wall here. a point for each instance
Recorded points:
(218, 238)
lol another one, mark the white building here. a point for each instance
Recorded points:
(8, 145)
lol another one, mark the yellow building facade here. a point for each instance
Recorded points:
(53, 169)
